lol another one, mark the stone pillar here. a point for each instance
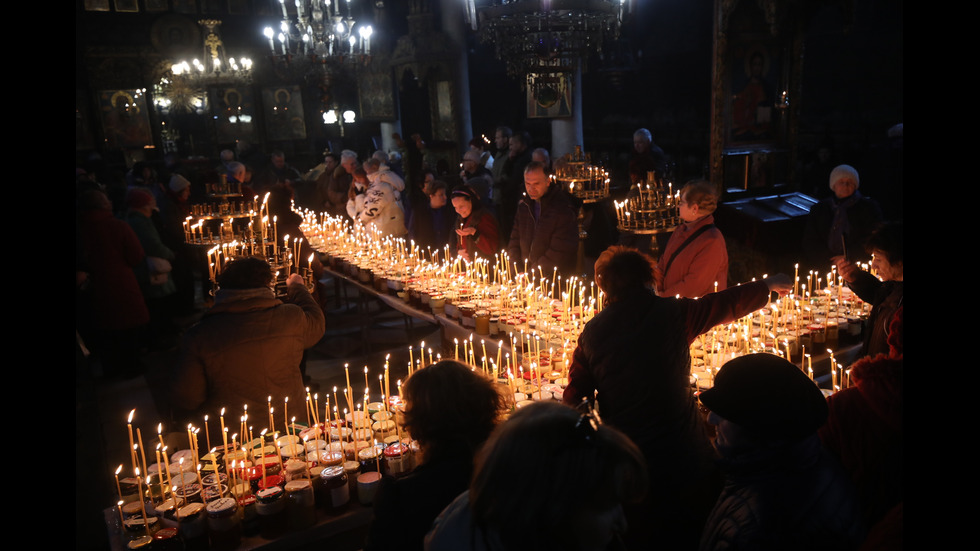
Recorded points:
(387, 129)
(566, 133)
(453, 24)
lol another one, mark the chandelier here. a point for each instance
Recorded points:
(183, 86)
(547, 37)
(320, 30)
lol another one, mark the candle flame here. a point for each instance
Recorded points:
(131, 414)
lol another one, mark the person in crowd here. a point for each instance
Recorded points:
(541, 155)
(373, 204)
(477, 177)
(840, 225)
(550, 477)
(331, 186)
(379, 171)
(156, 283)
(248, 346)
(432, 225)
(238, 174)
(546, 228)
(476, 227)
(647, 157)
(481, 146)
(695, 260)
(499, 169)
(885, 292)
(783, 490)
(865, 431)
(107, 251)
(174, 203)
(634, 358)
(512, 179)
(278, 172)
(226, 156)
(451, 411)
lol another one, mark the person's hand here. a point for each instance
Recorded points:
(658, 278)
(464, 255)
(780, 283)
(295, 279)
(466, 231)
(847, 269)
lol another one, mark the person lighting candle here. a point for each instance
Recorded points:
(635, 354)
(248, 345)
(476, 227)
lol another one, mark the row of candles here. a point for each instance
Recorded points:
(501, 283)
(647, 208)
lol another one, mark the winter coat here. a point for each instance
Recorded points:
(549, 241)
(786, 496)
(109, 250)
(248, 346)
(376, 206)
(698, 266)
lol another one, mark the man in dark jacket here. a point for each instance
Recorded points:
(635, 355)
(545, 230)
(782, 489)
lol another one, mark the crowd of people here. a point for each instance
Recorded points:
(626, 459)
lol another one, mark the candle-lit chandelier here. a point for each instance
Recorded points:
(319, 30)
(183, 87)
(538, 38)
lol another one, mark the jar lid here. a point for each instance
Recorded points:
(332, 472)
(270, 494)
(221, 506)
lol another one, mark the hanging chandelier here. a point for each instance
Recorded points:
(183, 86)
(321, 31)
(547, 37)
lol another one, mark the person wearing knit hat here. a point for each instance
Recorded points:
(178, 183)
(840, 225)
(476, 176)
(783, 490)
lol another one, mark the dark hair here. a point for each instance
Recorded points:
(888, 239)
(543, 465)
(467, 192)
(702, 193)
(619, 270)
(450, 409)
(536, 165)
(334, 156)
(522, 137)
(434, 186)
(372, 162)
(359, 173)
(505, 130)
(246, 273)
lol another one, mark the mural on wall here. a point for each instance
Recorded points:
(755, 71)
(125, 119)
(376, 94)
(233, 109)
(283, 108)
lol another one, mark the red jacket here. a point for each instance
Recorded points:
(699, 265)
(109, 251)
